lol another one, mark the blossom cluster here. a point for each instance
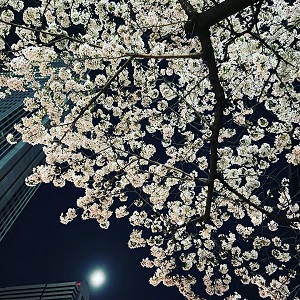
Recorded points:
(125, 111)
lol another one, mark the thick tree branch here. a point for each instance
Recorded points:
(202, 31)
(220, 12)
(210, 61)
(188, 8)
(248, 30)
(166, 56)
(199, 25)
(204, 20)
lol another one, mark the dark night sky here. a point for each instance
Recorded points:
(39, 249)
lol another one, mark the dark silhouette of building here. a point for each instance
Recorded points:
(16, 162)
(66, 291)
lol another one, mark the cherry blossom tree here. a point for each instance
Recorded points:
(182, 116)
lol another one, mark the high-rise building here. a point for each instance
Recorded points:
(16, 161)
(66, 291)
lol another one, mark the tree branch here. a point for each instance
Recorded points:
(202, 21)
(199, 25)
(210, 61)
(166, 56)
(188, 8)
(57, 35)
(270, 215)
(220, 12)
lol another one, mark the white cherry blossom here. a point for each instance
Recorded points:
(184, 122)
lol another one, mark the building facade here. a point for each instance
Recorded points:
(16, 162)
(66, 291)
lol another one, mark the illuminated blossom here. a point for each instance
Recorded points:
(10, 139)
(190, 134)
